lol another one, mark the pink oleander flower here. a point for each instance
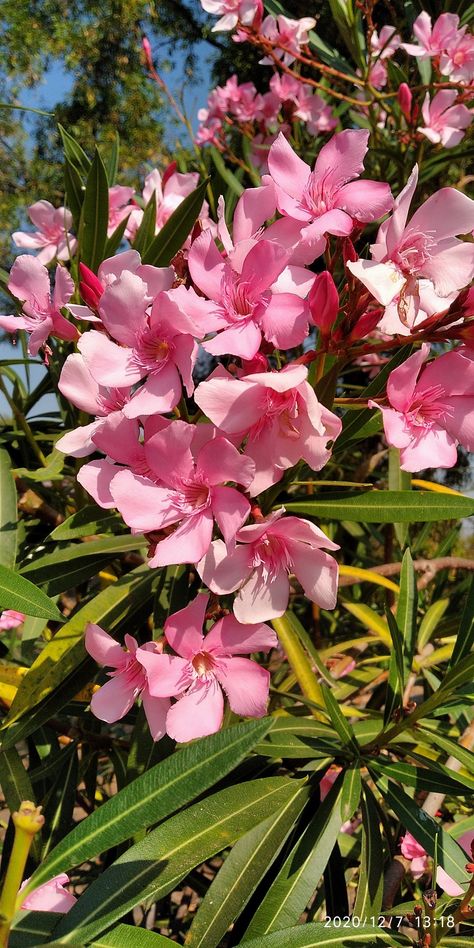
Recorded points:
(327, 199)
(425, 247)
(151, 338)
(418, 857)
(119, 206)
(313, 110)
(52, 237)
(170, 189)
(279, 415)
(120, 440)
(128, 680)
(41, 310)
(10, 619)
(445, 122)
(291, 34)
(386, 42)
(258, 568)
(433, 39)
(205, 667)
(378, 77)
(231, 12)
(252, 293)
(457, 61)
(431, 409)
(105, 403)
(191, 492)
(50, 897)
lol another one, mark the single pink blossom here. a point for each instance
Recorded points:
(246, 297)
(418, 857)
(104, 402)
(431, 408)
(457, 61)
(170, 190)
(41, 310)
(191, 492)
(258, 568)
(127, 682)
(119, 206)
(50, 897)
(149, 337)
(52, 237)
(425, 247)
(231, 12)
(386, 42)
(433, 39)
(327, 199)
(287, 33)
(204, 667)
(445, 122)
(10, 619)
(279, 415)
(314, 111)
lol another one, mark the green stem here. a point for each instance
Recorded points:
(28, 821)
(300, 663)
(22, 422)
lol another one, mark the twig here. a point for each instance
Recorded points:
(428, 567)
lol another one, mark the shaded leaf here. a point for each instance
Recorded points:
(20, 594)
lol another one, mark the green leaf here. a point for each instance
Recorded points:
(95, 215)
(75, 191)
(154, 866)
(65, 652)
(341, 725)
(325, 52)
(112, 162)
(370, 888)
(384, 506)
(129, 936)
(31, 929)
(86, 522)
(320, 935)
(177, 228)
(8, 513)
(398, 480)
(294, 885)
(16, 787)
(20, 594)
(113, 242)
(153, 796)
(225, 172)
(59, 804)
(68, 565)
(465, 637)
(74, 152)
(426, 830)
(422, 778)
(396, 671)
(146, 230)
(430, 621)
(351, 791)
(352, 426)
(407, 610)
(298, 737)
(451, 747)
(242, 871)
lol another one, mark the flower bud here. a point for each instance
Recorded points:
(259, 363)
(349, 253)
(365, 324)
(147, 50)
(90, 287)
(405, 99)
(323, 302)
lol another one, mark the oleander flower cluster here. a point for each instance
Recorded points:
(195, 460)
(440, 118)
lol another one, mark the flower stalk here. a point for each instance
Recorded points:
(28, 821)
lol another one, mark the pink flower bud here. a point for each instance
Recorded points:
(323, 302)
(90, 287)
(259, 363)
(349, 253)
(365, 324)
(147, 50)
(170, 170)
(405, 99)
